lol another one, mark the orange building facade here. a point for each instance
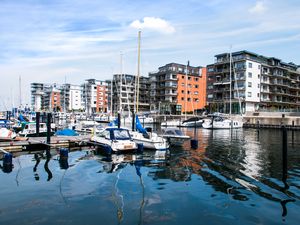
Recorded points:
(178, 88)
(55, 101)
(191, 91)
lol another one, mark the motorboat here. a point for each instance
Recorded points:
(175, 136)
(149, 139)
(192, 122)
(29, 130)
(113, 139)
(221, 123)
(7, 134)
(171, 123)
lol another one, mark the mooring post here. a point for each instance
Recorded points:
(133, 121)
(119, 120)
(37, 123)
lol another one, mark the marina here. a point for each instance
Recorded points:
(228, 179)
(150, 113)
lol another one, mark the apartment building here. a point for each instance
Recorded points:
(37, 96)
(56, 97)
(71, 97)
(178, 88)
(94, 96)
(124, 93)
(257, 83)
(52, 99)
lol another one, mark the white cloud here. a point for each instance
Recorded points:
(154, 23)
(258, 8)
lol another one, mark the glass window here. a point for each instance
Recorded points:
(250, 65)
(249, 94)
(250, 75)
(249, 84)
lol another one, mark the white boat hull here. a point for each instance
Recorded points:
(225, 124)
(153, 142)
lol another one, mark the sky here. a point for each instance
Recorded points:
(58, 41)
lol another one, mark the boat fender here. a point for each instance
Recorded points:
(140, 147)
(108, 150)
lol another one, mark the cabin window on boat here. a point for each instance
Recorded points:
(121, 134)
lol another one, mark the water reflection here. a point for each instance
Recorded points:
(232, 174)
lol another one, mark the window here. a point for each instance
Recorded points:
(249, 84)
(258, 86)
(189, 78)
(182, 84)
(250, 75)
(188, 92)
(258, 95)
(196, 93)
(250, 65)
(258, 76)
(249, 94)
(182, 77)
(189, 99)
(196, 79)
(182, 99)
(196, 86)
(259, 67)
(182, 91)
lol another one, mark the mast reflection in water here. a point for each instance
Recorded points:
(234, 177)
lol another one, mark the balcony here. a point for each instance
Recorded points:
(221, 82)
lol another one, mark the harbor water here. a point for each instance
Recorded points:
(233, 177)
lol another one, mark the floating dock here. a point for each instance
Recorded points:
(40, 143)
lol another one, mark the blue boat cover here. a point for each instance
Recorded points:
(115, 122)
(66, 132)
(139, 126)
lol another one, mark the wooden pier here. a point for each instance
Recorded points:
(40, 143)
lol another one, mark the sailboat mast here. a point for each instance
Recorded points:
(230, 59)
(138, 72)
(121, 80)
(20, 91)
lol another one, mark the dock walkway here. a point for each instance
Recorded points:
(35, 143)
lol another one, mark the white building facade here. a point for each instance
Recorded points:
(258, 83)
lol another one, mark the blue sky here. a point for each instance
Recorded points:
(50, 41)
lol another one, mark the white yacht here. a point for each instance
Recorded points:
(113, 139)
(175, 136)
(222, 123)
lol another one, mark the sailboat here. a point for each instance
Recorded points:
(219, 121)
(149, 139)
